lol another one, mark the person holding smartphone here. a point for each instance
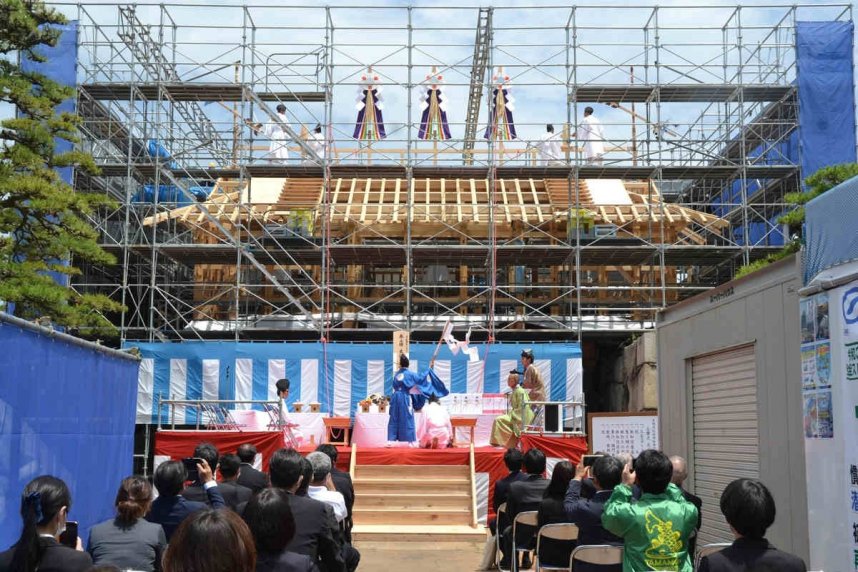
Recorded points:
(171, 508)
(45, 504)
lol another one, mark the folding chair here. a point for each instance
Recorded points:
(604, 554)
(708, 549)
(276, 423)
(565, 532)
(527, 518)
(498, 532)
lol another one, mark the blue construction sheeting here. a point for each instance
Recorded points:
(337, 375)
(831, 230)
(66, 409)
(826, 99)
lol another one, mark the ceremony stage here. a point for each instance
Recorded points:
(486, 464)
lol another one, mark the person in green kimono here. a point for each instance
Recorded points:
(657, 527)
(507, 428)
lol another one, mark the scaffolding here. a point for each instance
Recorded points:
(217, 238)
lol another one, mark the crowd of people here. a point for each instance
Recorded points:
(295, 518)
(638, 504)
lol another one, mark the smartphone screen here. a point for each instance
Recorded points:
(69, 535)
(588, 460)
(191, 466)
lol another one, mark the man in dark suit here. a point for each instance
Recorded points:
(512, 459)
(171, 508)
(587, 512)
(234, 495)
(680, 473)
(317, 534)
(749, 509)
(195, 492)
(524, 495)
(249, 477)
(343, 484)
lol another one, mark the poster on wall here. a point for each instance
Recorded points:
(615, 433)
(818, 415)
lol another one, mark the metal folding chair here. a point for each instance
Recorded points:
(498, 532)
(565, 532)
(708, 549)
(603, 554)
(527, 518)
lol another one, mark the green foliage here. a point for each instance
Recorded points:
(818, 183)
(42, 219)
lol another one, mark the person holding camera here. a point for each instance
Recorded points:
(656, 528)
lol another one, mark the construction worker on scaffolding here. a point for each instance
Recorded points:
(590, 133)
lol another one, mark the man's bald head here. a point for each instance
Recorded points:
(680, 470)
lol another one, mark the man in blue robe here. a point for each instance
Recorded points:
(410, 390)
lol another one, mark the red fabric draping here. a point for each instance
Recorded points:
(180, 444)
(568, 448)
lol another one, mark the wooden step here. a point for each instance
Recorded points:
(419, 471)
(425, 516)
(398, 501)
(387, 485)
(423, 534)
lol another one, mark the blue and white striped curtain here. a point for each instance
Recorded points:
(337, 376)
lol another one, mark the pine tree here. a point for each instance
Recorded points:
(43, 225)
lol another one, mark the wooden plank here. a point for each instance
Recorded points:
(428, 187)
(396, 200)
(520, 200)
(459, 200)
(474, 201)
(536, 202)
(365, 200)
(443, 200)
(635, 212)
(604, 214)
(351, 200)
(380, 200)
(620, 216)
(336, 196)
(505, 201)
(666, 210)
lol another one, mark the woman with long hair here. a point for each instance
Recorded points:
(551, 511)
(272, 525)
(129, 541)
(211, 541)
(45, 504)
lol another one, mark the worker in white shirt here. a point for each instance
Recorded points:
(278, 152)
(317, 143)
(322, 487)
(549, 147)
(590, 133)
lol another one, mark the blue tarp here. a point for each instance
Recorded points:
(68, 411)
(831, 231)
(826, 100)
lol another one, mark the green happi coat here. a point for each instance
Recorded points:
(655, 528)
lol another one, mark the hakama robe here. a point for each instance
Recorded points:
(436, 425)
(507, 428)
(406, 385)
(277, 149)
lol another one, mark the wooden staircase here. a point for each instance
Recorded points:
(414, 503)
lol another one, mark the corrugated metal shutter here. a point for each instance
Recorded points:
(726, 436)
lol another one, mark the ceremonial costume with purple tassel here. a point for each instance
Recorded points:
(433, 121)
(502, 125)
(370, 123)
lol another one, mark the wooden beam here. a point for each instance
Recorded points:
(520, 200)
(443, 199)
(351, 200)
(380, 201)
(476, 214)
(396, 200)
(505, 201)
(333, 204)
(459, 200)
(428, 187)
(536, 202)
(365, 200)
